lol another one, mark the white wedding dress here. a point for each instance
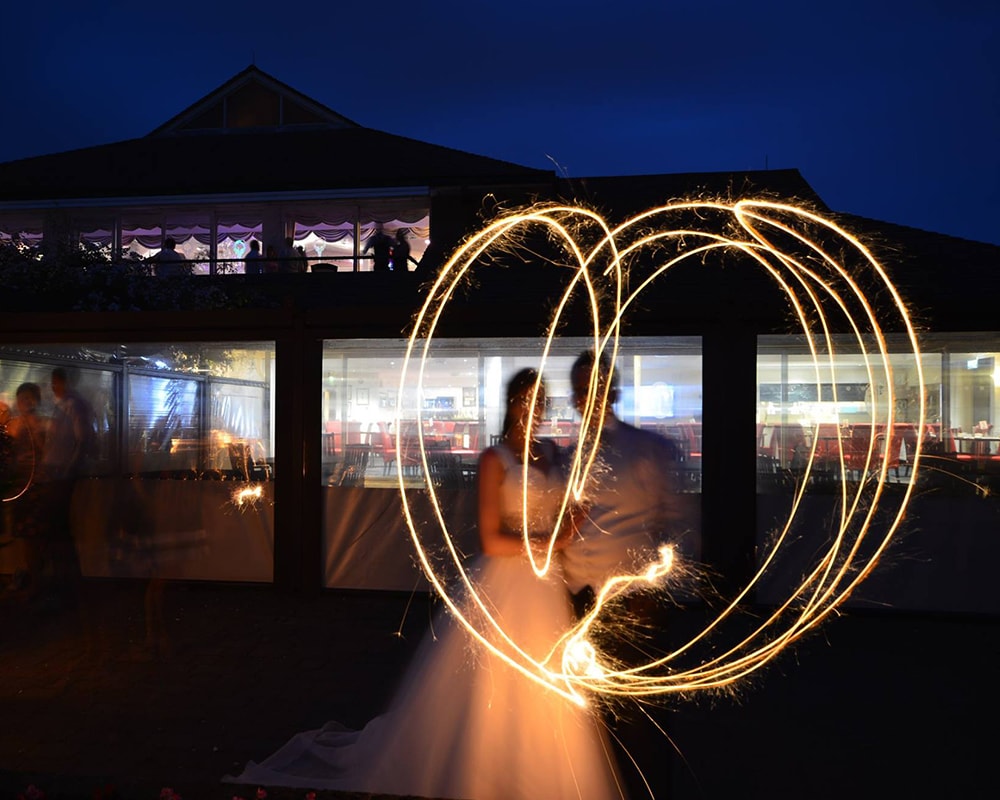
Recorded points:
(463, 724)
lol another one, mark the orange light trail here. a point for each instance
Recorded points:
(829, 274)
(248, 495)
(31, 473)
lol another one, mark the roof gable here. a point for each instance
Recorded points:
(253, 99)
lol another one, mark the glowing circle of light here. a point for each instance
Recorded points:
(823, 270)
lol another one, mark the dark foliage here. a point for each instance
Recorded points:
(75, 279)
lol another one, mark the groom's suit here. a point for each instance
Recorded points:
(633, 505)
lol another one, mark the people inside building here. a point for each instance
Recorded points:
(401, 257)
(291, 259)
(253, 263)
(380, 247)
(27, 431)
(169, 262)
(70, 443)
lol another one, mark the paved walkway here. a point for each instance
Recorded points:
(876, 706)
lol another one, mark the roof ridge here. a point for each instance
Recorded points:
(240, 79)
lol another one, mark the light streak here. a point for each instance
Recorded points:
(248, 495)
(30, 479)
(825, 273)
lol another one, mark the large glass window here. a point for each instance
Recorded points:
(832, 407)
(141, 237)
(97, 236)
(371, 429)
(328, 236)
(339, 236)
(23, 233)
(973, 401)
(193, 234)
(233, 238)
(414, 235)
(458, 408)
(327, 245)
(169, 449)
(825, 437)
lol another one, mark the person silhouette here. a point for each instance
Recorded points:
(633, 507)
(632, 491)
(169, 262)
(27, 432)
(291, 258)
(380, 246)
(70, 442)
(253, 263)
(401, 252)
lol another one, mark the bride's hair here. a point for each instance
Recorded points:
(522, 382)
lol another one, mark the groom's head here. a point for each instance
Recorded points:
(580, 379)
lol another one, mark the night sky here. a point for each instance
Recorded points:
(890, 109)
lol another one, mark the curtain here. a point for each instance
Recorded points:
(324, 232)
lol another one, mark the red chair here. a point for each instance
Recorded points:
(859, 450)
(384, 445)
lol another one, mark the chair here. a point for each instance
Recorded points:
(385, 446)
(244, 466)
(329, 442)
(446, 470)
(355, 464)
(408, 457)
(859, 449)
(829, 443)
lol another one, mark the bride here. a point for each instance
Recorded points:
(462, 723)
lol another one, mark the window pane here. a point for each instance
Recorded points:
(840, 403)
(457, 412)
(193, 237)
(937, 559)
(177, 471)
(24, 233)
(327, 244)
(97, 236)
(141, 238)
(415, 236)
(233, 239)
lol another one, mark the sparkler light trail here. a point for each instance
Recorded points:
(827, 275)
(248, 495)
(29, 479)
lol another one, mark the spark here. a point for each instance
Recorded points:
(823, 277)
(247, 496)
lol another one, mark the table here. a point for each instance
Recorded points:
(976, 445)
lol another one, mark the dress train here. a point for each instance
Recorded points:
(464, 724)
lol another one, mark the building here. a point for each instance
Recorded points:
(290, 382)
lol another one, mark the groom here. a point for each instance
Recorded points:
(633, 508)
(631, 493)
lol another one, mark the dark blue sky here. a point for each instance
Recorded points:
(889, 108)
